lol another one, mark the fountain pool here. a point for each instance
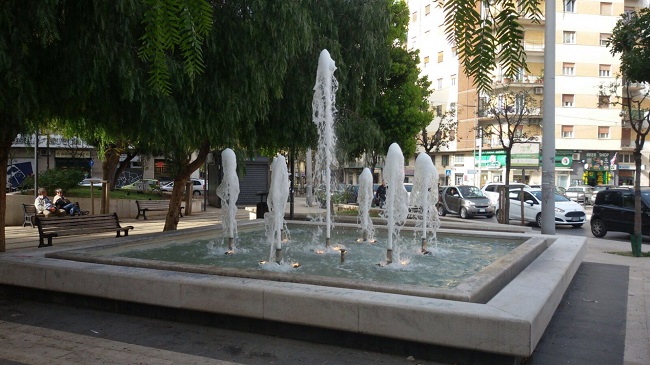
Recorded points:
(462, 267)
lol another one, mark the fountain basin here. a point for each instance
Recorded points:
(510, 322)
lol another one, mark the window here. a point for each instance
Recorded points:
(520, 103)
(519, 131)
(567, 100)
(452, 106)
(439, 84)
(426, 61)
(569, 37)
(438, 110)
(604, 38)
(605, 8)
(414, 17)
(567, 131)
(433, 159)
(568, 69)
(604, 70)
(440, 56)
(603, 132)
(427, 9)
(628, 10)
(459, 159)
(569, 6)
(453, 80)
(625, 158)
(445, 160)
(603, 101)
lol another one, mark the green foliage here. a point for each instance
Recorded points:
(170, 24)
(493, 38)
(55, 178)
(400, 109)
(630, 39)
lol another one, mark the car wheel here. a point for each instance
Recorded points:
(441, 211)
(196, 193)
(463, 213)
(538, 219)
(489, 216)
(598, 228)
(576, 225)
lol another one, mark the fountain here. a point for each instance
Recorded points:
(503, 308)
(228, 191)
(277, 200)
(323, 114)
(365, 202)
(396, 198)
(425, 196)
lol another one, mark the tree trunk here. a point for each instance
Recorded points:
(111, 160)
(184, 170)
(121, 167)
(171, 221)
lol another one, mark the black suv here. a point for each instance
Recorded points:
(614, 211)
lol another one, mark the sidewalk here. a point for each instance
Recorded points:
(35, 333)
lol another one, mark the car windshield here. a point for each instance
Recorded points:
(470, 191)
(575, 189)
(558, 197)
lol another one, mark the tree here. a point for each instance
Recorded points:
(488, 33)
(510, 114)
(630, 39)
(444, 127)
(400, 109)
(28, 29)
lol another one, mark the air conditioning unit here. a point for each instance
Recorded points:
(576, 156)
(538, 90)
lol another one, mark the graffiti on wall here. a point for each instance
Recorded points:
(17, 172)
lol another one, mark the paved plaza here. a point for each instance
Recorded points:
(602, 319)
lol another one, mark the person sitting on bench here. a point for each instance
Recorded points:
(44, 205)
(62, 202)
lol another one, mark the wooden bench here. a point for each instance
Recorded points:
(78, 225)
(29, 213)
(145, 206)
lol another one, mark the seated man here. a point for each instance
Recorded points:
(62, 202)
(45, 206)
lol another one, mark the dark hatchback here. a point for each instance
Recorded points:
(614, 211)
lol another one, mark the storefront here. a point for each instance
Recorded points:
(597, 169)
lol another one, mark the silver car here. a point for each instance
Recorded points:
(465, 200)
(581, 194)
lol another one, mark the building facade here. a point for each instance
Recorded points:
(593, 142)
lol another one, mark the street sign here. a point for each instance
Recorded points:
(91, 162)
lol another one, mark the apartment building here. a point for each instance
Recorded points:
(593, 142)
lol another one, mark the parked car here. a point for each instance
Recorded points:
(97, 182)
(197, 186)
(598, 188)
(581, 194)
(465, 200)
(143, 185)
(491, 190)
(614, 211)
(567, 212)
